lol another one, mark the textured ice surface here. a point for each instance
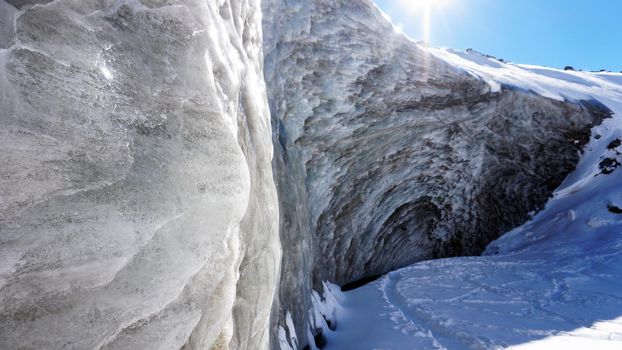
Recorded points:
(137, 201)
(552, 283)
(388, 152)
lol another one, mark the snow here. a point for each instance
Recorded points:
(553, 283)
(548, 82)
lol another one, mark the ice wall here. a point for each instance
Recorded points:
(137, 202)
(138, 207)
(387, 154)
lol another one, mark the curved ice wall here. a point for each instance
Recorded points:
(387, 155)
(137, 202)
(138, 207)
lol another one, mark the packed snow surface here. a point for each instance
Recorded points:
(553, 283)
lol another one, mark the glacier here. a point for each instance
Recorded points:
(138, 207)
(190, 174)
(552, 283)
(388, 152)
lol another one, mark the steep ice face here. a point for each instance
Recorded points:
(138, 206)
(552, 283)
(137, 199)
(388, 153)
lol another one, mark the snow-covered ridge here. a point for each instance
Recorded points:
(549, 82)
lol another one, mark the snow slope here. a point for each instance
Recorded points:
(553, 283)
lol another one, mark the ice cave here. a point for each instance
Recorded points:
(297, 174)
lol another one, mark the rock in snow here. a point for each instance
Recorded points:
(139, 205)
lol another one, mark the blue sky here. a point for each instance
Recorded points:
(586, 34)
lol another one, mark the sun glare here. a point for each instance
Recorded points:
(427, 13)
(423, 10)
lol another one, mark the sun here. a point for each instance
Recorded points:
(427, 19)
(423, 9)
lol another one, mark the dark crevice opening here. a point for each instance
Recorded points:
(614, 209)
(359, 283)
